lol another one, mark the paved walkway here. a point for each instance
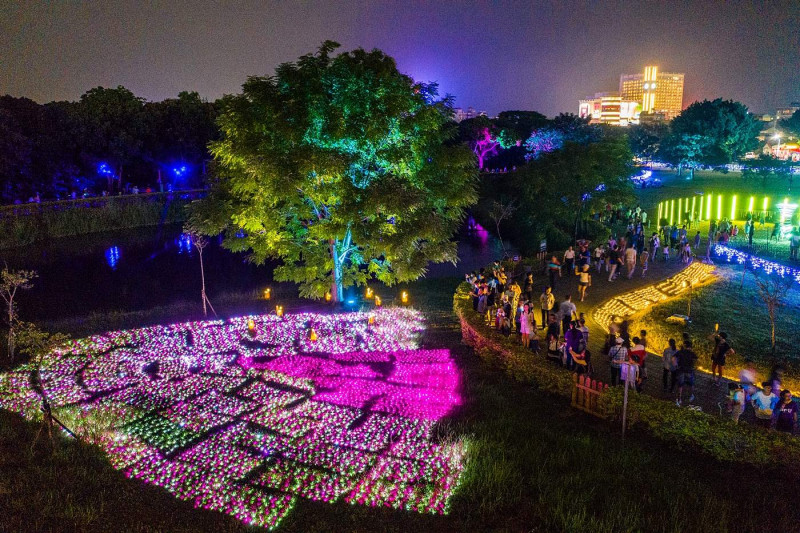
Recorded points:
(707, 395)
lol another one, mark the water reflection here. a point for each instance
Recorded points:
(112, 257)
(141, 269)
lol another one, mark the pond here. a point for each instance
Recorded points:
(148, 267)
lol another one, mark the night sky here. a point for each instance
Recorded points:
(493, 56)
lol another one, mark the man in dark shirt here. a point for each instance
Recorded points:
(685, 359)
(719, 355)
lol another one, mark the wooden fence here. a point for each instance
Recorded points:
(586, 394)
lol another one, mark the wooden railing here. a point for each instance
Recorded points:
(586, 394)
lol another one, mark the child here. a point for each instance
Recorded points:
(645, 260)
(735, 401)
(666, 252)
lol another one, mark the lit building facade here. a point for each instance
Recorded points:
(460, 114)
(660, 93)
(609, 108)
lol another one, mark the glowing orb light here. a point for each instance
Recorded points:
(267, 293)
(279, 311)
(786, 210)
(248, 426)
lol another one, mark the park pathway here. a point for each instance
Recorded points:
(708, 396)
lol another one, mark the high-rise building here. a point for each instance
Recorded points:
(609, 108)
(460, 114)
(659, 92)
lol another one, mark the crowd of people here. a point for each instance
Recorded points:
(553, 327)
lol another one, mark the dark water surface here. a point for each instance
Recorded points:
(148, 267)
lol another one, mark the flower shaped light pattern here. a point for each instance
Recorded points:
(247, 420)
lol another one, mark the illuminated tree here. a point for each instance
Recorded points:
(338, 167)
(543, 141)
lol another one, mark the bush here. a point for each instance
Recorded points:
(66, 219)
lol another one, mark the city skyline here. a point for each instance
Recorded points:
(539, 56)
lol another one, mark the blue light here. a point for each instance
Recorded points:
(104, 169)
(184, 242)
(180, 171)
(112, 257)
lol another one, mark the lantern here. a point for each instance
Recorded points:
(312, 335)
(267, 293)
(404, 297)
(377, 301)
(369, 293)
(371, 319)
(279, 311)
(251, 326)
(328, 296)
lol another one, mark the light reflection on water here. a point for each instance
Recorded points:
(141, 269)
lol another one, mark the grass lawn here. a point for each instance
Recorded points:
(534, 464)
(740, 312)
(713, 181)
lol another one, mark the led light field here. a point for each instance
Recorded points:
(247, 421)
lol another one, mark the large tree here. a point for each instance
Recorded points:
(720, 131)
(339, 167)
(565, 187)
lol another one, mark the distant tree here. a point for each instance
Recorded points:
(179, 131)
(339, 167)
(559, 191)
(543, 141)
(773, 289)
(481, 136)
(645, 139)
(791, 125)
(15, 156)
(722, 130)
(12, 281)
(113, 128)
(576, 129)
(519, 124)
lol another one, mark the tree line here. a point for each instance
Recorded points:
(107, 140)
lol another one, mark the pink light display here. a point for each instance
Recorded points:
(245, 420)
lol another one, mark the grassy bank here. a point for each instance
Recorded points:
(67, 219)
(741, 313)
(535, 465)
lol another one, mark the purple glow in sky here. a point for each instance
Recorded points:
(493, 56)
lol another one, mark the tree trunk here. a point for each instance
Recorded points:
(11, 329)
(337, 291)
(202, 281)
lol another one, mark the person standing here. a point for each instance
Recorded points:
(546, 301)
(685, 359)
(569, 259)
(697, 240)
(567, 312)
(764, 402)
(719, 356)
(584, 280)
(670, 369)
(553, 271)
(525, 326)
(645, 259)
(598, 258)
(735, 401)
(630, 261)
(784, 416)
(618, 355)
(613, 257)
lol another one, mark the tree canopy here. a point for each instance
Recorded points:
(339, 166)
(712, 132)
